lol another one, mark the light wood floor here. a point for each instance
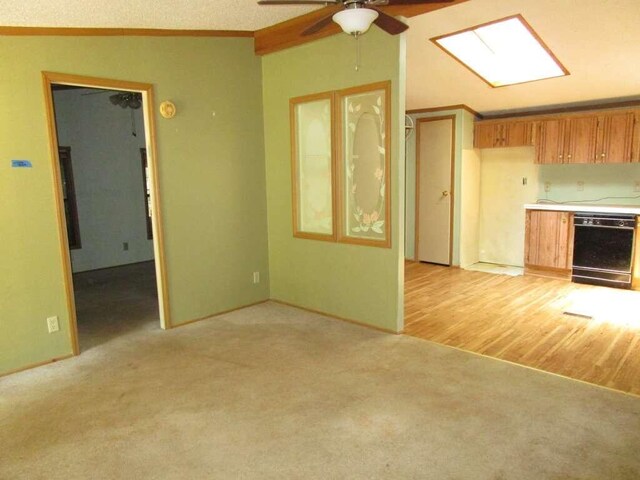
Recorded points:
(521, 319)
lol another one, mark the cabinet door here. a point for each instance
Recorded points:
(518, 134)
(486, 135)
(500, 133)
(615, 138)
(580, 144)
(564, 243)
(549, 147)
(635, 149)
(548, 236)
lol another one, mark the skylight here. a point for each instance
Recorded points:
(503, 52)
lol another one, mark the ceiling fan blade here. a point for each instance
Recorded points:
(297, 2)
(319, 25)
(95, 93)
(415, 2)
(388, 23)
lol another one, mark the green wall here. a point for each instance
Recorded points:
(354, 282)
(613, 183)
(211, 175)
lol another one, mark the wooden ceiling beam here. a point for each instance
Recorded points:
(289, 33)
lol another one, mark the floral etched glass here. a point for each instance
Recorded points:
(364, 166)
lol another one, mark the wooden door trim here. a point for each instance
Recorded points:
(460, 106)
(71, 195)
(420, 121)
(146, 89)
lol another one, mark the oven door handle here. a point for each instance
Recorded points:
(605, 270)
(603, 226)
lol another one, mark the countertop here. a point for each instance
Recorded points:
(583, 207)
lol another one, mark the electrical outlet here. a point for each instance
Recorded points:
(636, 186)
(256, 277)
(547, 187)
(125, 246)
(52, 324)
(524, 181)
(580, 186)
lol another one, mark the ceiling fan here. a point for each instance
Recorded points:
(356, 16)
(131, 100)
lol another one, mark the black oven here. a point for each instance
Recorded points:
(603, 249)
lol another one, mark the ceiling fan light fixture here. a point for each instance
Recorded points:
(355, 21)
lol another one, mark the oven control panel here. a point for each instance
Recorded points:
(604, 220)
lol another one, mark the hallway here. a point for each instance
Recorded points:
(114, 301)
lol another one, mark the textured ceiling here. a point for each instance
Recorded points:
(598, 41)
(166, 14)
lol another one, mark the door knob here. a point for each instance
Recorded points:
(445, 193)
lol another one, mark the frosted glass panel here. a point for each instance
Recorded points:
(364, 166)
(313, 167)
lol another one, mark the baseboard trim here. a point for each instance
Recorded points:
(189, 322)
(336, 317)
(548, 272)
(153, 260)
(36, 365)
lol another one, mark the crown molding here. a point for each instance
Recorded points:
(119, 32)
(459, 106)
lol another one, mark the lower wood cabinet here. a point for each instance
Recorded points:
(548, 243)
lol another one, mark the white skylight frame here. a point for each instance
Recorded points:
(499, 62)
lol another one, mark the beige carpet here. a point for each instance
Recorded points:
(271, 392)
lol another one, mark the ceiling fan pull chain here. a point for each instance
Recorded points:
(133, 124)
(357, 51)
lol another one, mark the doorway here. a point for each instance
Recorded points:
(435, 140)
(90, 268)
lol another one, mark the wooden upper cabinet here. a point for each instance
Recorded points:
(485, 135)
(512, 133)
(567, 140)
(635, 141)
(549, 240)
(610, 137)
(550, 144)
(615, 138)
(519, 134)
(580, 139)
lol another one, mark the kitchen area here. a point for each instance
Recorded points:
(581, 225)
(552, 200)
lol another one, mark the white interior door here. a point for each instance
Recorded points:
(434, 185)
